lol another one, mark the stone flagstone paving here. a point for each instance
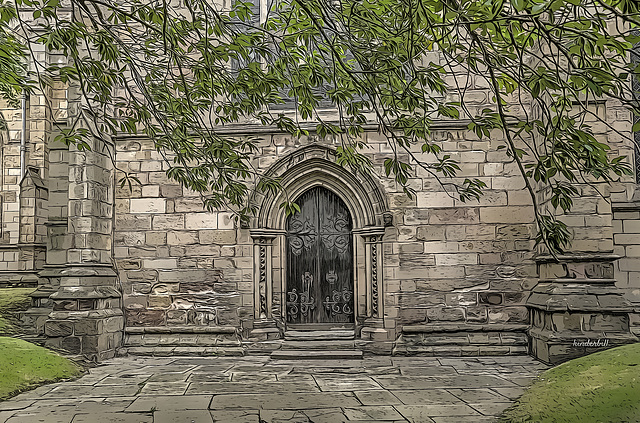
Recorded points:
(257, 389)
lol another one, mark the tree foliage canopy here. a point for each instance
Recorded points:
(177, 73)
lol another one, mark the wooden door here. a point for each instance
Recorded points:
(320, 260)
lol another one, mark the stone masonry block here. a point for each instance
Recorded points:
(510, 214)
(456, 259)
(201, 221)
(434, 199)
(168, 221)
(55, 328)
(147, 205)
(182, 238)
(222, 237)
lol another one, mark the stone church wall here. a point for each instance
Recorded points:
(445, 263)
(179, 264)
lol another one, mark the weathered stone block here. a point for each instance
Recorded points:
(88, 327)
(430, 233)
(477, 314)
(434, 199)
(156, 237)
(456, 259)
(461, 299)
(65, 305)
(492, 298)
(169, 221)
(165, 288)
(171, 191)
(176, 317)
(56, 328)
(188, 205)
(159, 301)
(416, 299)
(454, 215)
(160, 263)
(182, 238)
(130, 222)
(508, 315)
(72, 344)
(217, 237)
(142, 275)
(447, 314)
(201, 221)
(141, 288)
(145, 317)
(510, 214)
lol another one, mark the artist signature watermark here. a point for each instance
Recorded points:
(591, 342)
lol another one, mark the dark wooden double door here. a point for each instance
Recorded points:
(320, 260)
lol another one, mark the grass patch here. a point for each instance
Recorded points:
(12, 300)
(24, 365)
(601, 387)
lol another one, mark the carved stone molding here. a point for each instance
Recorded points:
(262, 271)
(373, 263)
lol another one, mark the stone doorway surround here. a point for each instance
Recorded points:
(299, 171)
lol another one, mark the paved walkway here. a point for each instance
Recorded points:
(260, 390)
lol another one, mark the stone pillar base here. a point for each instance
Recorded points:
(263, 330)
(555, 348)
(375, 338)
(86, 314)
(576, 309)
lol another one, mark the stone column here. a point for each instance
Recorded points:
(58, 240)
(86, 316)
(376, 335)
(263, 326)
(576, 309)
(33, 216)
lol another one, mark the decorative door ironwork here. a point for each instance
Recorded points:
(320, 260)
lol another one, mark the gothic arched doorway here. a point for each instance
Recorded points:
(319, 260)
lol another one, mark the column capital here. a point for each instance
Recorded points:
(370, 231)
(265, 236)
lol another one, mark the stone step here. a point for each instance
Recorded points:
(167, 351)
(181, 340)
(319, 345)
(319, 335)
(316, 355)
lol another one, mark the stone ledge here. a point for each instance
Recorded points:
(626, 206)
(579, 281)
(464, 328)
(615, 338)
(72, 315)
(185, 351)
(577, 303)
(181, 340)
(176, 330)
(460, 351)
(563, 258)
(96, 292)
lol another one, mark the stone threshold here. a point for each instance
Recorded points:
(316, 355)
(180, 329)
(464, 328)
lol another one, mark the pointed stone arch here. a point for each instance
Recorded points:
(306, 168)
(312, 166)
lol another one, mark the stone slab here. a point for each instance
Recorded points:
(261, 390)
(169, 403)
(292, 401)
(316, 355)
